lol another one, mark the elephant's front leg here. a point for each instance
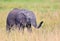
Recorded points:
(29, 27)
(21, 28)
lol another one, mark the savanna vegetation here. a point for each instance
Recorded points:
(45, 10)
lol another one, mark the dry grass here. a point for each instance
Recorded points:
(50, 30)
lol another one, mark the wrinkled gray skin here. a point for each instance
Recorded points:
(21, 18)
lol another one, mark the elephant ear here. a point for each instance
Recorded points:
(40, 24)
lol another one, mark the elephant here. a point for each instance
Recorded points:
(21, 18)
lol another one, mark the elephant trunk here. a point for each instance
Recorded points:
(37, 26)
(40, 24)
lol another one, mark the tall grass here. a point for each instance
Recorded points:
(46, 10)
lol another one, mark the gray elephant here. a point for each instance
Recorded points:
(21, 18)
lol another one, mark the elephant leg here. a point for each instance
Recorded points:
(29, 27)
(8, 28)
(21, 28)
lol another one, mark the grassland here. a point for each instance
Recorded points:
(46, 10)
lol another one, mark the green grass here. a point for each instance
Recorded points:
(24, 0)
(43, 6)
